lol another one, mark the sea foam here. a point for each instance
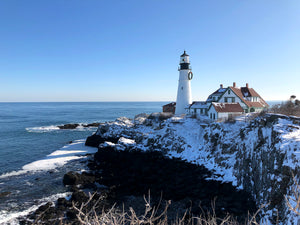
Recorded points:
(42, 129)
(11, 217)
(51, 128)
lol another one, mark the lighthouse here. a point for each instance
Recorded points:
(184, 93)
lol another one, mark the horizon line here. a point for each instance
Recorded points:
(103, 101)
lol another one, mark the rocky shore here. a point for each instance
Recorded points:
(70, 126)
(188, 161)
(124, 177)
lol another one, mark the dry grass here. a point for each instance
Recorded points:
(288, 108)
(153, 215)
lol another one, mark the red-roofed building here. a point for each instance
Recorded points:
(170, 107)
(247, 97)
(224, 111)
(231, 101)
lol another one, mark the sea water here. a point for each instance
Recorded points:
(35, 153)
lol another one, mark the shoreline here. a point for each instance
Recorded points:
(144, 134)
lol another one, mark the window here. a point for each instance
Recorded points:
(225, 99)
(214, 116)
(233, 99)
(229, 92)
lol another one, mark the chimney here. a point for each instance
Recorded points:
(247, 85)
(234, 84)
(221, 85)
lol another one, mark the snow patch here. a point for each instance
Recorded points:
(75, 150)
(126, 141)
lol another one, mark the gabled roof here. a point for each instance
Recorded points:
(227, 107)
(218, 93)
(244, 92)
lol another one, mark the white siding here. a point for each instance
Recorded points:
(212, 113)
(221, 116)
(230, 96)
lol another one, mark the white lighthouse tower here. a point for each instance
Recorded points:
(184, 93)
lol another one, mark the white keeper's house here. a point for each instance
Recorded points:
(223, 104)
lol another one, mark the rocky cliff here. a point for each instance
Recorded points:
(258, 155)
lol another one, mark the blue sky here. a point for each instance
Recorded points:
(88, 50)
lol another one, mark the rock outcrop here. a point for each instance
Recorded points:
(241, 164)
(258, 156)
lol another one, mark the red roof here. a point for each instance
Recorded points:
(244, 92)
(227, 107)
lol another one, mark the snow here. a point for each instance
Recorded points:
(290, 141)
(126, 141)
(75, 150)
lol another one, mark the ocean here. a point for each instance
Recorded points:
(35, 154)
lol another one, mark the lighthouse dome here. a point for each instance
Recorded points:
(184, 54)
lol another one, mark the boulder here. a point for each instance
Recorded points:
(73, 178)
(92, 125)
(4, 194)
(69, 126)
(79, 196)
(96, 140)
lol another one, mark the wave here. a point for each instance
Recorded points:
(72, 151)
(42, 129)
(7, 217)
(51, 128)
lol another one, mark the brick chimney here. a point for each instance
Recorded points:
(234, 84)
(247, 85)
(221, 85)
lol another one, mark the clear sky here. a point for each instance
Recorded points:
(128, 50)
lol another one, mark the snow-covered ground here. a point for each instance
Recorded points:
(252, 154)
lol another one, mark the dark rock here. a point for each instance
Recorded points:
(135, 173)
(71, 178)
(43, 208)
(96, 140)
(161, 116)
(79, 196)
(71, 214)
(62, 202)
(69, 126)
(4, 194)
(92, 125)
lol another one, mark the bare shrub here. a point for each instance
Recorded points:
(293, 202)
(154, 215)
(289, 108)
